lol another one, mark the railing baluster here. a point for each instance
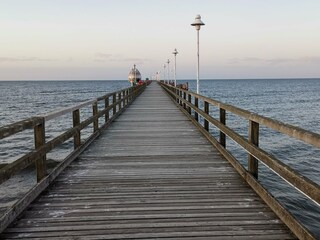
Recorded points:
(39, 140)
(176, 93)
(123, 98)
(95, 113)
(119, 99)
(76, 122)
(184, 97)
(126, 97)
(189, 100)
(223, 121)
(114, 100)
(254, 139)
(206, 110)
(106, 105)
(196, 104)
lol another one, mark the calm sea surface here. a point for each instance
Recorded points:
(293, 101)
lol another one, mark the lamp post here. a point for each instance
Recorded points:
(197, 23)
(168, 71)
(175, 52)
(164, 73)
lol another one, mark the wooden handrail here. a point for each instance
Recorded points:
(302, 183)
(38, 123)
(290, 130)
(11, 129)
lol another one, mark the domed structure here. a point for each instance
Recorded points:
(134, 75)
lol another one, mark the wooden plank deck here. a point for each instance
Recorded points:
(150, 175)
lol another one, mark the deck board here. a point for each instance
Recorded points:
(150, 175)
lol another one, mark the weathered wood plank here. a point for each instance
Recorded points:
(150, 175)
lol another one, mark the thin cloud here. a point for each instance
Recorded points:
(275, 61)
(106, 57)
(26, 59)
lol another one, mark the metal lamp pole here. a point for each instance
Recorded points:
(164, 73)
(197, 23)
(175, 52)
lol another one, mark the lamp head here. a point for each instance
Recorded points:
(197, 22)
(175, 52)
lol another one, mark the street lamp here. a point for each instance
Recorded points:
(175, 52)
(197, 23)
(164, 73)
(168, 71)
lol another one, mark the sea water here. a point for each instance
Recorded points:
(293, 101)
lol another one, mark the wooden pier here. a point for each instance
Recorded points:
(151, 174)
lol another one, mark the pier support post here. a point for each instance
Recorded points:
(76, 122)
(253, 134)
(206, 110)
(39, 140)
(223, 121)
(95, 114)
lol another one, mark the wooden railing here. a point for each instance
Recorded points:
(113, 104)
(189, 103)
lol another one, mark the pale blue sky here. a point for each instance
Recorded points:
(102, 39)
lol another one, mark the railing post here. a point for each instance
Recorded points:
(106, 105)
(123, 98)
(180, 93)
(39, 140)
(254, 139)
(189, 101)
(206, 110)
(129, 97)
(184, 97)
(196, 104)
(223, 121)
(95, 114)
(120, 101)
(76, 122)
(177, 95)
(114, 100)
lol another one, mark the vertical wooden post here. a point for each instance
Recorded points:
(39, 140)
(223, 121)
(123, 98)
(180, 97)
(196, 104)
(129, 95)
(76, 122)
(184, 97)
(119, 99)
(206, 110)
(106, 105)
(177, 95)
(189, 101)
(95, 114)
(114, 100)
(254, 139)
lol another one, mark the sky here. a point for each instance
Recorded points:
(102, 39)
